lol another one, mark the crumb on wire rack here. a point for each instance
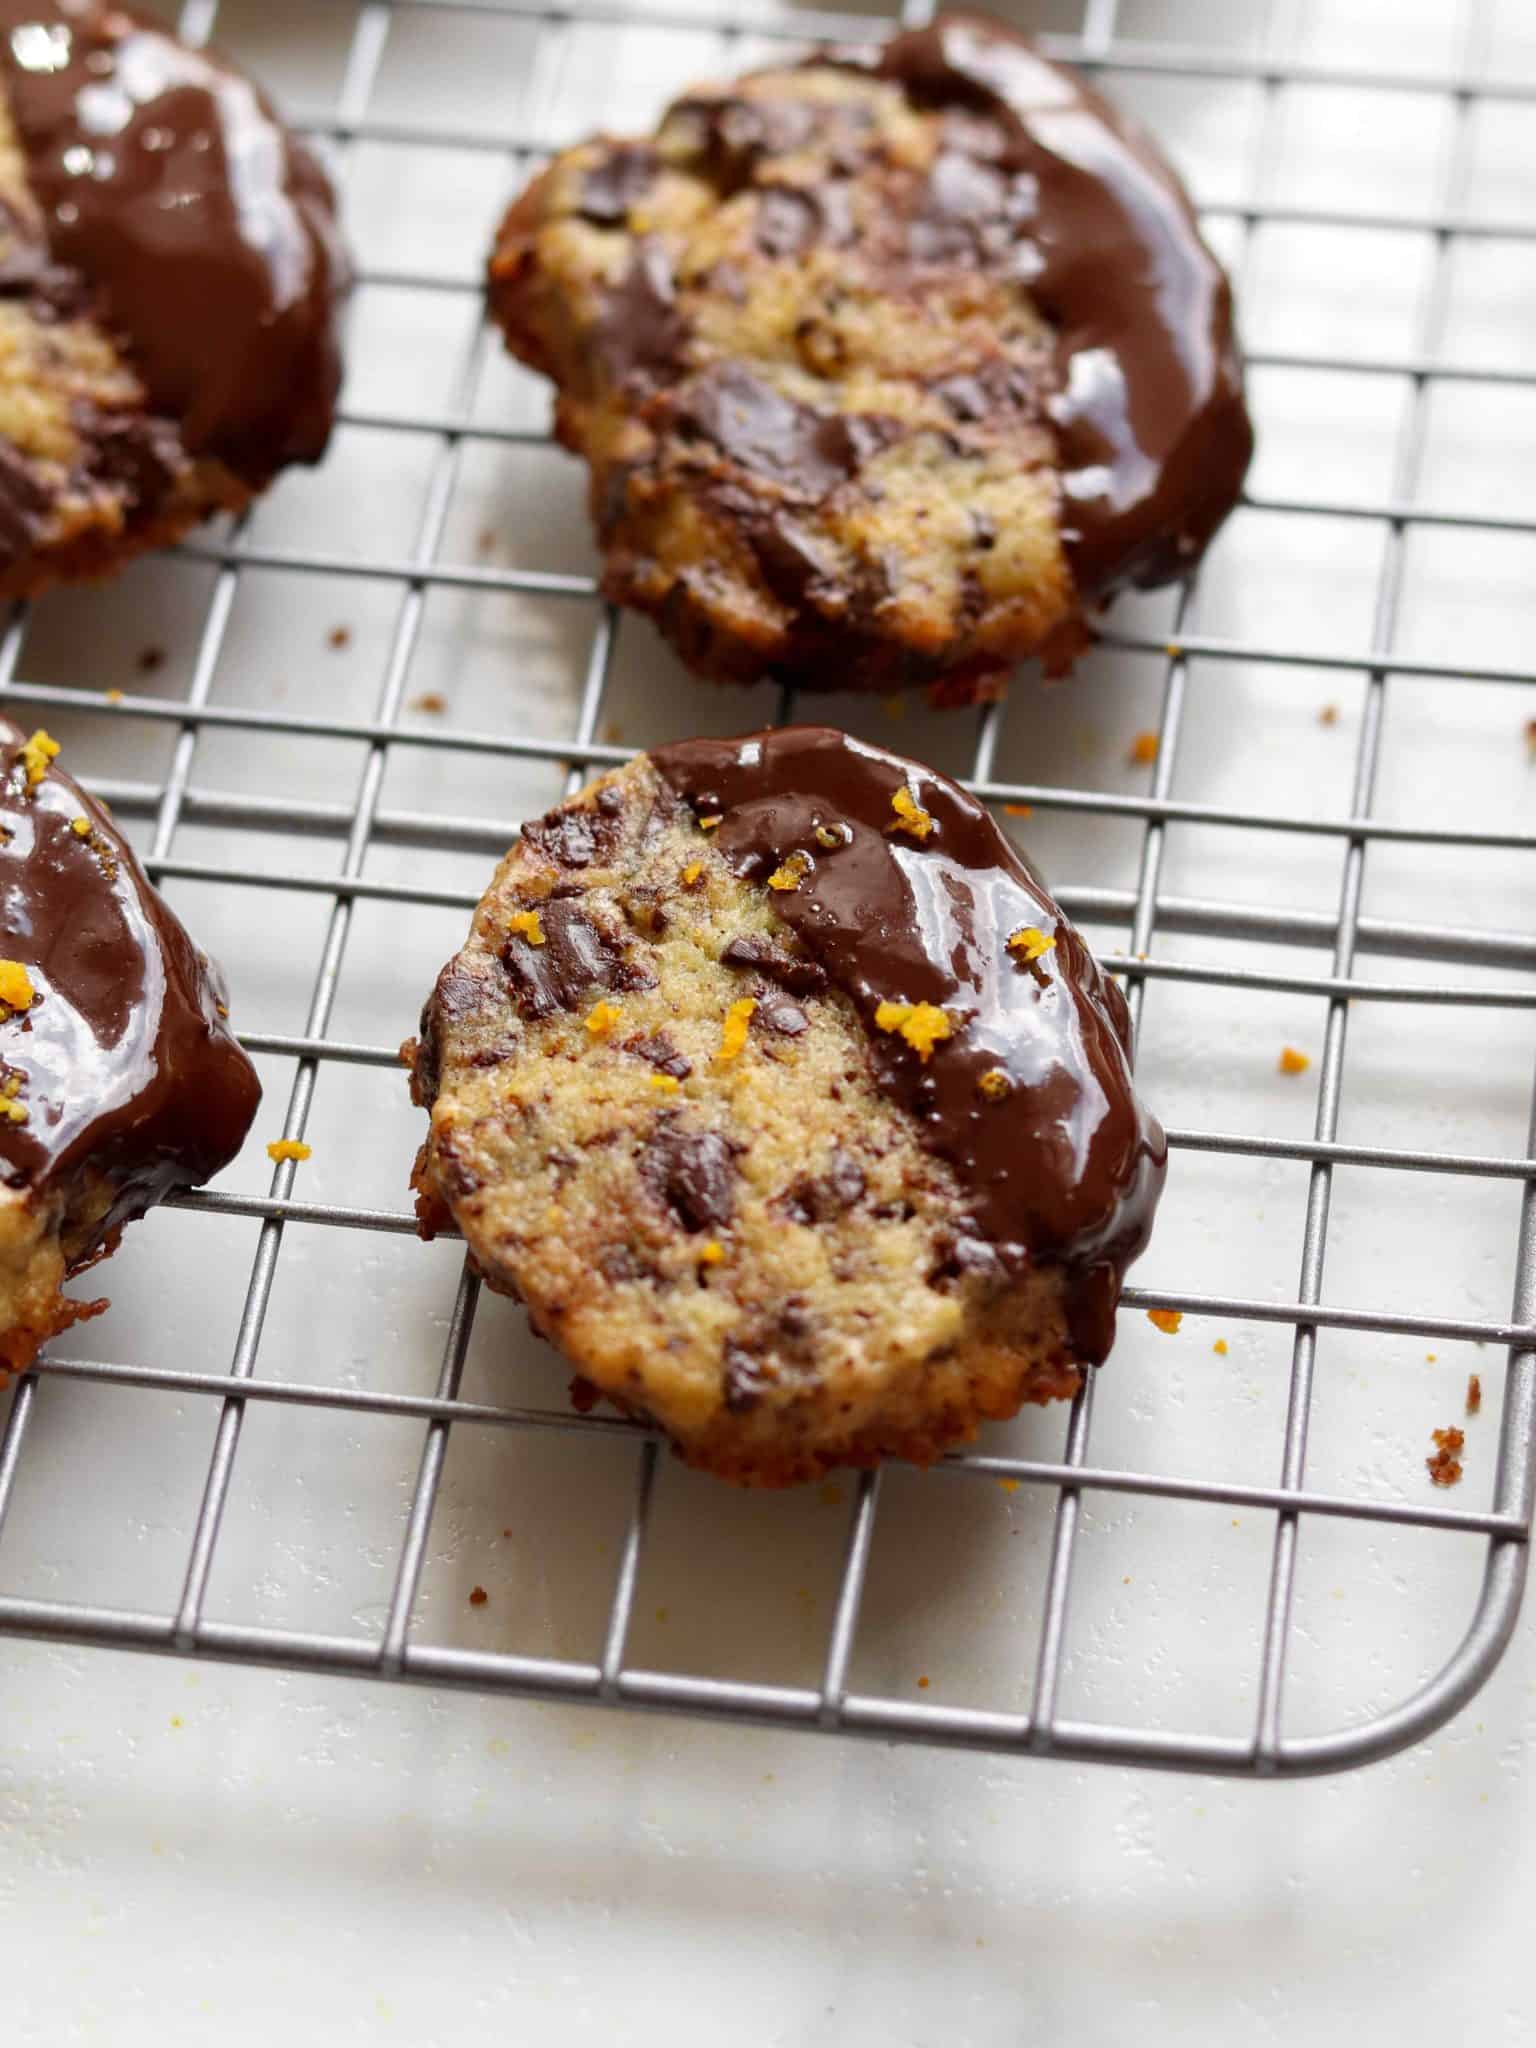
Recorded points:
(1445, 1466)
(1474, 1395)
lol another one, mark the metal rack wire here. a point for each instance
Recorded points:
(398, 1650)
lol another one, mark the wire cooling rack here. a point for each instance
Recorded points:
(248, 840)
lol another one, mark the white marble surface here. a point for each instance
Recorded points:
(190, 1853)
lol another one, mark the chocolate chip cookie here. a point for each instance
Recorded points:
(776, 1085)
(169, 280)
(888, 366)
(120, 1079)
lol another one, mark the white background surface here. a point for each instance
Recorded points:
(190, 1853)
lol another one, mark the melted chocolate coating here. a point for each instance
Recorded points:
(198, 228)
(126, 1066)
(1154, 435)
(1067, 1168)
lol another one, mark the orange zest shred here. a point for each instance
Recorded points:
(1144, 749)
(1019, 810)
(524, 924)
(602, 1017)
(1166, 1319)
(18, 1112)
(922, 1025)
(16, 990)
(665, 1084)
(910, 815)
(288, 1148)
(712, 823)
(81, 827)
(712, 1254)
(1220, 1347)
(36, 754)
(1030, 943)
(1292, 1061)
(792, 873)
(113, 696)
(692, 872)
(995, 1084)
(733, 1032)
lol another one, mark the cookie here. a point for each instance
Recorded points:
(776, 1085)
(889, 367)
(169, 282)
(120, 1080)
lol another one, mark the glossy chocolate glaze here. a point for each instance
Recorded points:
(1067, 1167)
(126, 1067)
(190, 221)
(1154, 435)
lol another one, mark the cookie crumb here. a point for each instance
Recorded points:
(602, 1017)
(1166, 1319)
(1291, 1061)
(288, 1148)
(1220, 1347)
(1329, 715)
(922, 1684)
(1144, 750)
(478, 1596)
(910, 815)
(151, 658)
(1444, 1467)
(430, 700)
(733, 1032)
(1019, 810)
(1030, 943)
(485, 540)
(1530, 737)
(339, 637)
(1474, 1395)
(922, 1025)
(524, 924)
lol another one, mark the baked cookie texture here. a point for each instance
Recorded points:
(775, 1085)
(888, 366)
(120, 1079)
(169, 281)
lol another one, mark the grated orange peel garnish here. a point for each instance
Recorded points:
(36, 753)
(1030, 943)
(288, 1148)
(524, 924)
(692, 872)
(665, 1084)
(602, 1017)
(1292, 1062)
(922, 1025)
(733, 1032)
(1166, 1319)
(910, 815)
(792, 873)
(16, 990)
(995, 1084)
(712, 1253)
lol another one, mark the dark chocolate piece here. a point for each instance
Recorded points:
(1062, 1164)
(204, 232)
(612, 186)
(808, 453)
(692, 1171)
(122, 1060)
(575, 960)
(1155, 439)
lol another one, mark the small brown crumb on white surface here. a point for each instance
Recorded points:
(478, 1596)
(150, 659)
(430, 700)
(1329, 715)
(1143, 750)
(339, 637)
(1474, 1395)
(1445, 1466)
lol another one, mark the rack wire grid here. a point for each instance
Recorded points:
(302, 842)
